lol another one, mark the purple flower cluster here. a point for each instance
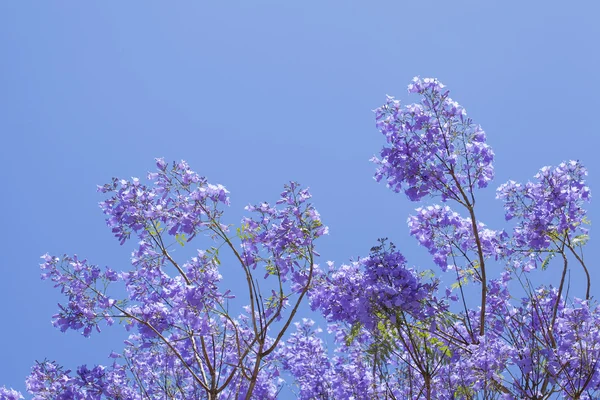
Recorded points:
(282, 235)
(352, 376)
(84, 285)
(551, 207)
(50, 381)
(379, 283)
(9, 394)
(553, 345)
(433, 148)
(446, 234)
(304, 356)
(345, 375)
(180, 201)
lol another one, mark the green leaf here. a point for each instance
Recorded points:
(464, 392)
(154, 229)
(354, 331)
(546, 261)
(580, 240)
(214, 252)
(180, 237)
(461, 282)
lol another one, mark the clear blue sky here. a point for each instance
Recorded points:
(253, 94)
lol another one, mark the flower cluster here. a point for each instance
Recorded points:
(433, 148)
(549, 346)
(180, 200)
(49, 381)
(379, 283)
(446, 234)
(551, 207)
(9, 394)
(304, 356)
(284, 232)
(346, 375)
(84, 285)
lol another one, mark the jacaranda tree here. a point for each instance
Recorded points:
(477, 326)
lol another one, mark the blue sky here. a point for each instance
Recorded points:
(253, 94)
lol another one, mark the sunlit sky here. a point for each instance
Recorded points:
(254, 94)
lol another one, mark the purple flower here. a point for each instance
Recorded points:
(9, 394)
